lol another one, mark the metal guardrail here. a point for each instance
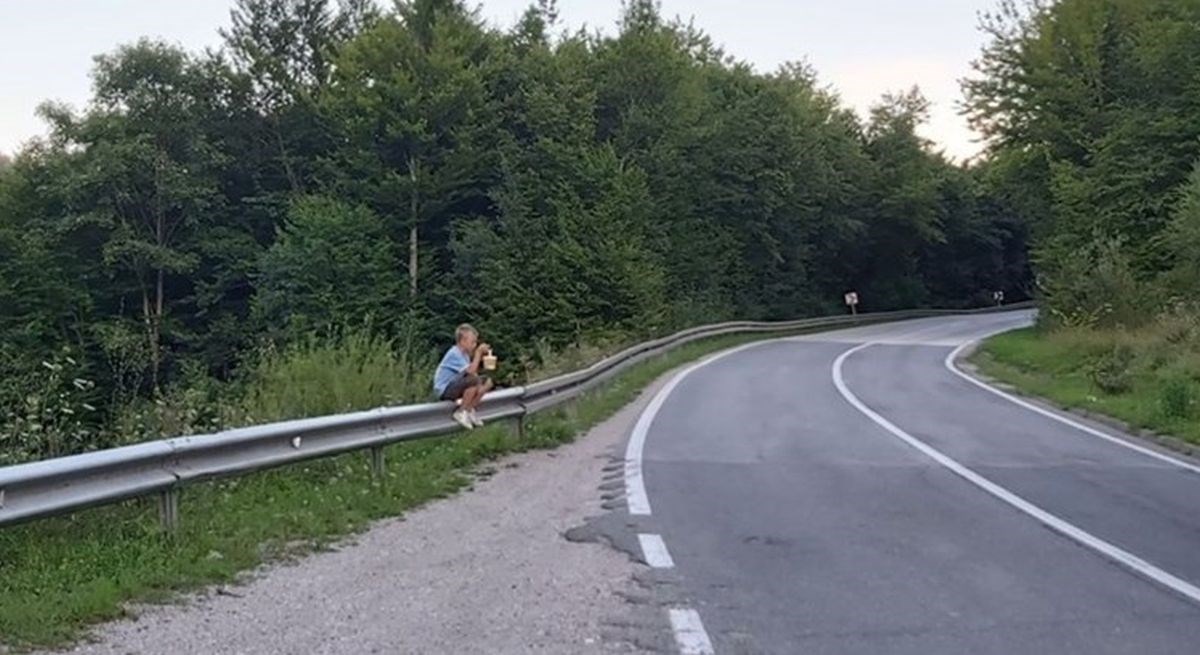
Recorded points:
(62, 485)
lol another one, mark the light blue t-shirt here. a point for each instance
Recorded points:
(454, 362)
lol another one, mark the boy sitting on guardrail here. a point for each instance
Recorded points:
(457, 377)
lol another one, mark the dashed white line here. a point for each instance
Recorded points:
(1069, 530)
(689, 633)
(654, 549)
(950, 364)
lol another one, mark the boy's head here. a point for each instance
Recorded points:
(466, 337)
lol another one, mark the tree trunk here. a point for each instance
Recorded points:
(154, 314)
(412, 261)
(151, 336)
(414, 202)
(284, 158)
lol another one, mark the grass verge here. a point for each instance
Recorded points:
(1146, 385)
(59, 576)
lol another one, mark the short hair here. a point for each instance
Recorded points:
(464, 329)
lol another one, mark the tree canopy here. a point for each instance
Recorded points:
(413, 168)
(1092, 108)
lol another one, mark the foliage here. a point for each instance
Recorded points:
(48, 413)
(1183, 241)
(1088, 103)
(1094, 285)
(1091, 111)
(411, 168)
(350, 370)
(1111, 373)
(331, 264)
(59, 576)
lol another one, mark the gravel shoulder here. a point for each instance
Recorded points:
(487, 571)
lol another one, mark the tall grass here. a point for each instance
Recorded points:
(47, 414)
(331, 375)
(60, 575)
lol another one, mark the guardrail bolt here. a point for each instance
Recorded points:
(377, 466)
(168, 509)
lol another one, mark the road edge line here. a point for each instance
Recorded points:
(951, 364)
(1113, 552)
(635, 486)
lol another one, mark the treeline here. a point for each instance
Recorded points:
(1093, 108)
(1093, 111)
(347, 169)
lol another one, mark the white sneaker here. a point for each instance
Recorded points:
(475, 420)
(463, 419)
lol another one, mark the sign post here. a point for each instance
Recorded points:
(852, 302)
(998, 296)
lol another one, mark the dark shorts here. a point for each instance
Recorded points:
(460, 384)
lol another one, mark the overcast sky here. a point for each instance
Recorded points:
(863, 48)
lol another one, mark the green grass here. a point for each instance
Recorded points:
(61, 575)
(1159, 387)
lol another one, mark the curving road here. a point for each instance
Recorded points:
(845, 492)
(850, 492)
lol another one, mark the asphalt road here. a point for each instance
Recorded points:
(843, 492)
(908, 511)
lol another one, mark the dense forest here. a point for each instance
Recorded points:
(1092, 108)
(336, 181)
(1092, 111)
(345, 173)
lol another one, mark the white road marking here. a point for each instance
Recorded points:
(689, 633)
(1105, 548)
(635, 486)
(654, 549)
(950, 364)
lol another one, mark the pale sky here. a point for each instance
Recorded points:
(862, 48)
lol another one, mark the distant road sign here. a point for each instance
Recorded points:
(851, 299)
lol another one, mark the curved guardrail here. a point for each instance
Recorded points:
(61, 485)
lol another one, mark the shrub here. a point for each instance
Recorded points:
(193, 405)
(1178, 397)
(1094, 287)
(319, 375)
(51, 414)
(1111, 373)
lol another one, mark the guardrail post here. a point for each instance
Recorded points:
(517, 427)
(377, 467)
(168, 509)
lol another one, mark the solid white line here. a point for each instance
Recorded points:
(654, 549)
(689, 633)
(953, 368)
(635, 486)
(1091, 541)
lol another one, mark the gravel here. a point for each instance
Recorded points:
(487, 571)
